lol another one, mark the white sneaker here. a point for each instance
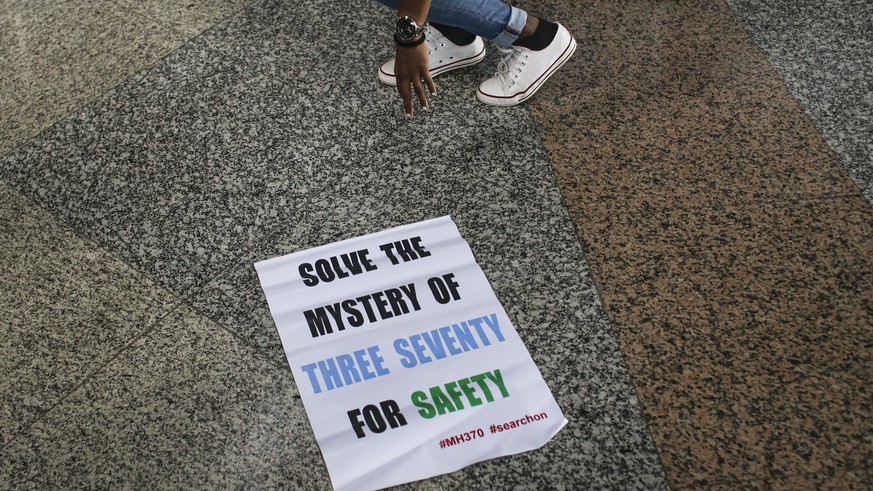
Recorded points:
(445, 56)
(523, 71)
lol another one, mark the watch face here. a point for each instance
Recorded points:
(406, 27)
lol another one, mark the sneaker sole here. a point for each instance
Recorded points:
(390, 79)
(527, 94)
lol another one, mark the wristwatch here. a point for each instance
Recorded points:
(407, 30)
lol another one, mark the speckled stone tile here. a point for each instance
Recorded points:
(655, 110)
(234, 149)
(731, 249)
(824, 53)
(535, 265)
(186, 405)
(171, 170)
(66, 308)
(57, 56)
(606, 443)
(748, 331)
(358, 208)
(185, 16)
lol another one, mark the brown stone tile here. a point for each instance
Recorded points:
(850, 480)
(749, 249)
(690, 152)
(732, 252)
(736, 463)
(747, 332)
(670, 104)
(722, 411)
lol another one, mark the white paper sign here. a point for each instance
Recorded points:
(406, 363)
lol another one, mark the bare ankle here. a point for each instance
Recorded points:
(530, 26)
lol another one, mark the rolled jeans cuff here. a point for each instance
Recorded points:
(517, 20)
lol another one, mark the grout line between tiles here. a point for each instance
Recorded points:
(564, 215)
(787, 90)
(87, 378)
(178, 303)
(133, 74)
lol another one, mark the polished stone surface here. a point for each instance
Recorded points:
(57, 56)
(233, 149)
(675, 237)
(824, 53)
(186, 405)
(67, 309)
(184, 16)
(733, 252)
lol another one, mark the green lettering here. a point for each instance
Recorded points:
(418, 400)
(480, 379)
(452, 391)
(442, 403)
(470, 392)
(497, 378)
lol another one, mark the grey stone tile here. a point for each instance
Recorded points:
(187, 405)
(606, 444)
(189, 164)
(517, 239)
(67, 308)
(164, 172)
(536, 266)
(235, 299)
(57, 56)
(824, 53)
(185, 16)
(261, 138)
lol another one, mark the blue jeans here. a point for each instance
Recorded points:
(494, 20)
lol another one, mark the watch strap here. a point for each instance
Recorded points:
(407, 43)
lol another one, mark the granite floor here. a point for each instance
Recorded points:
(679, 225)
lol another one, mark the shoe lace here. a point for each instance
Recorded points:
(511, 65)
(435, 40)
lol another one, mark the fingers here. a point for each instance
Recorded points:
(406, 89)
(411, 70)
(430, 85)
(406, 94)
(418, 86)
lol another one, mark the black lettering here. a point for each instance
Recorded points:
(335, 312)
(392, 413)
(416, 244)
(409, 290)
(355, 318)
(386, 248)
(319, 322)
(322, 267)
(376, 418)
(381, 305)
(365, 301)
(309, 280)
(404, 248)
(373, 418)
(439, 290)
(453, 285)
(395, 299)
(340, 272)
(366, 261)
(445, 288)
(357, 424)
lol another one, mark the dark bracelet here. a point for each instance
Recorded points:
(408, 44)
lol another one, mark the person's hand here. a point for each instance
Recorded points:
(411, 70)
